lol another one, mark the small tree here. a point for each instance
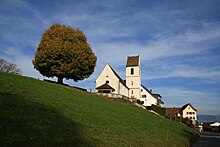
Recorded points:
(64, 53)
(5, 66)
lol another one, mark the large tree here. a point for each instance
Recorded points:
(64, 52)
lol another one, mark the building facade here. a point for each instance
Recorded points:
(110, 82)
(149, 98)
(186, 111)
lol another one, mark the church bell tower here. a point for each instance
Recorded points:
(133, 76)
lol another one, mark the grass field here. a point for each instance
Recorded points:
(37, 113)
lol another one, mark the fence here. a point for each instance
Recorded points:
(116, 96)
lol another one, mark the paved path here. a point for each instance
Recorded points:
(208, 140)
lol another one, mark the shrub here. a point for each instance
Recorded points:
(159, 110)
(140, 102)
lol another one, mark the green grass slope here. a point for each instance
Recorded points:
(37, 113)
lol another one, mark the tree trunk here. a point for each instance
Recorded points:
(60, 80)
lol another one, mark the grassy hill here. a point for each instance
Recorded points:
(37, 113)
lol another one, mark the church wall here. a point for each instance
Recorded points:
(123, 90)
(108, 75)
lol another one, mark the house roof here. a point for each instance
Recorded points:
(153, 94)
(132, 61)
(120, 79)
(173, 111)
(184, 107)
(105, 86)
(156, 95)
(146, 89)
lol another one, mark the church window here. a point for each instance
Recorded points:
(131, 91)
(107, 82)
(132, 71)
(143, 96)
(132, 82)
(107, 76)
(141, 90)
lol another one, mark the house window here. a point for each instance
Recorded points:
(107, 82)
(143, 96)
(132, 71)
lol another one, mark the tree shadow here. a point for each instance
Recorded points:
(28, 123)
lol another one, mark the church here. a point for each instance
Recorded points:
(110, 82)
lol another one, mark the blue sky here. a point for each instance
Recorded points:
(178, 41)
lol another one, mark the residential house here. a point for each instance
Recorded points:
(186, 111)
(149, 98)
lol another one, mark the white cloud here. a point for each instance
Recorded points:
(202, 100)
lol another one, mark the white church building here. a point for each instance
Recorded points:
(110, 82)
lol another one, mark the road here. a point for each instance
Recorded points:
(208, 140)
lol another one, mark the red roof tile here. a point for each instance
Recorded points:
(132, 61)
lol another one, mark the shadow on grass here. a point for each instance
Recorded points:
(26, 123)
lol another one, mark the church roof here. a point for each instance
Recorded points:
(132, 61)
(105, 86)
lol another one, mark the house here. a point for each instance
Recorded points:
(215, 124)
(149, 98)
(186, 111)
(109, 82)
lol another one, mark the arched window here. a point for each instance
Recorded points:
(132, 71)
(107, 82)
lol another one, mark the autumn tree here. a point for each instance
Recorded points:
(64, 52)
(8, 67)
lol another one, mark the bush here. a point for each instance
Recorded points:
(159, 110)
(140, 102)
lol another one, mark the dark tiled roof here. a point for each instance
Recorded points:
(184, 107)
(157, 95)
(120, 79)
(173, 111)
(146, 89)
(132, 61)
(105, 86)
